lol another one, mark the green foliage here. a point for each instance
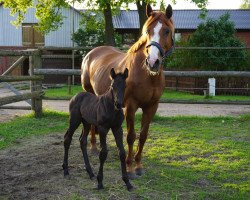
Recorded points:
(217, 33)
(91, 31)
(245, 4)
(211, 33)
(47, 12)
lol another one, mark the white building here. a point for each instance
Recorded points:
(26, 36)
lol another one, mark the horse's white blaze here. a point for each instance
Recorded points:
(154, 51)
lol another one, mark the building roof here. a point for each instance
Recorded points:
(184, 19)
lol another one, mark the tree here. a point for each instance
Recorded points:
(245, 4)
(217, 33)
(50, 18)
(91, 31)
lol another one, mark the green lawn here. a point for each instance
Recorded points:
(185, 157)
(167, 95)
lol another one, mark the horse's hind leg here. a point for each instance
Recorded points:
(74, 123)
(83, 144)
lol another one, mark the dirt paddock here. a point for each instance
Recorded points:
(31, 169)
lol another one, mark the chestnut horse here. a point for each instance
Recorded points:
(145, 82)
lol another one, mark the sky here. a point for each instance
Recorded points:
(182, 4)
(212, 4)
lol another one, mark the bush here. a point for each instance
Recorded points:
(212, 33)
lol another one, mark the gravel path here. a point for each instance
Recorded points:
(165, 109)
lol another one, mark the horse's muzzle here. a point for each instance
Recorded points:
(153, 66)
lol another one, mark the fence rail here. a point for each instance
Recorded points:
(36, 93)
(166, 73)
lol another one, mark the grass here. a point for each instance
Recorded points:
(63, 91)
(185, 157)
(168, 94)
(28, 125)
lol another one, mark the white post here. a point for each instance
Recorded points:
(211, 85)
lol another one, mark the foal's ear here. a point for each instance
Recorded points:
(112, 73)
(125, 73)
(149, 10)
(169, 11)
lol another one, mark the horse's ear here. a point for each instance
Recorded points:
(125, 74)
(112, 73)
(169, 11)
(149, 10)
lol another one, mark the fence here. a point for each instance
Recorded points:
(35, 93)
(37, 72)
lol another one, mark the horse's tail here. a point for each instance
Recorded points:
(85, 76)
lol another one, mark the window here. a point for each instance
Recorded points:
(177, 37)
(31, 37)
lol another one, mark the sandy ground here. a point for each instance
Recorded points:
(164, 109)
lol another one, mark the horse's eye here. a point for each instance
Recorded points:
(147, 32)
(167, 31)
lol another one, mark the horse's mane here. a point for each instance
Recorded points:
(142, 40)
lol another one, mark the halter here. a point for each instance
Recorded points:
(158, 46)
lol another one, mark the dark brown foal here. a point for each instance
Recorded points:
(105, 113)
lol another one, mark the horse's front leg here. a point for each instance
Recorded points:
(147, 115)
(131, 136)
(118, 134)
(102, 155)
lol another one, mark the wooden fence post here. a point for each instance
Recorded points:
(35, 62)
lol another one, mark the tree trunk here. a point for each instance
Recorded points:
(141, 7)
(109, 28)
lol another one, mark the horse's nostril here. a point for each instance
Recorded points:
(157, 63)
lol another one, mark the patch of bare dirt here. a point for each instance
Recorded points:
(32, 169)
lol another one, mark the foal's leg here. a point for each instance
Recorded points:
(118, 134)
(102, 157)
(83, 144)
(73, 125)
(148, 114)
(131, 136)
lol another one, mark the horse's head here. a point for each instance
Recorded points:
(159, 33)
(118, 87)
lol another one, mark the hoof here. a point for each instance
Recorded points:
(130, 187)
(66, 173)
(92, 177)
(132, 175)
(100, 187)
(139, 171)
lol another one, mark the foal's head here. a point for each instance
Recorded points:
(118, 87)
(158, 32)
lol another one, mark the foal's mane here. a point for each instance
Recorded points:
(143, 39)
